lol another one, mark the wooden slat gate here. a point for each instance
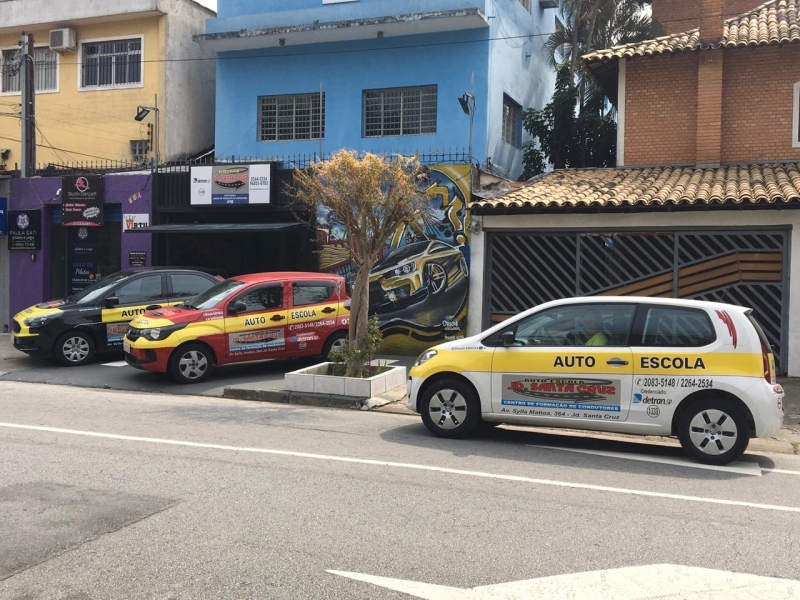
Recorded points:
(749, 268)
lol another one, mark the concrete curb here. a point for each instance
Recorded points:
(397, 407)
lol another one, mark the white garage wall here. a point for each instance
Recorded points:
(611, 222)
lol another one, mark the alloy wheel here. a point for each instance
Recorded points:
(713, 432)
(193, 365)
(436, 277)
(448, 409)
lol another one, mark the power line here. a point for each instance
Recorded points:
(3, 137)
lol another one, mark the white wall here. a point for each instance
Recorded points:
(612, 222)
(190, 84)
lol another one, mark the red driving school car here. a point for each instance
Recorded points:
(246, 318)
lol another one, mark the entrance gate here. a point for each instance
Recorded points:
(748, 268)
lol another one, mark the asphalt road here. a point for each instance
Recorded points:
(120, 495)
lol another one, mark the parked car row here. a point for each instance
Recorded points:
(185, 322)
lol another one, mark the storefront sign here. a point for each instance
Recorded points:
(137, 258)
(3, 216)
(135, 221)
(83, 259)
(82, 201)
(24, 230)
(231, 184)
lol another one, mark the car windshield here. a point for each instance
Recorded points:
(405, 252)
(215, 294)
(99, 288)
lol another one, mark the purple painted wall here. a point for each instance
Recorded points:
(30, 281)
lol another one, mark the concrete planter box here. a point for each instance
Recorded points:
(316, 380)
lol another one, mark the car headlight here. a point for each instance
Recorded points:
(39, 321)
(159, 333)
(404, 270)
(425, 357)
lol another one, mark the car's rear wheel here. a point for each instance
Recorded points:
(334, 343)
(450, 409)
(714, 431)
(191, 363)
(435, 278)
(74, 348)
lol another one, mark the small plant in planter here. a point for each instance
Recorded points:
(345, 355)
(371, 196)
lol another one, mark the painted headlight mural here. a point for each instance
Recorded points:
(419, 286)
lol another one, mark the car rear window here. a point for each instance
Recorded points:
(669, 326)
(304, 294)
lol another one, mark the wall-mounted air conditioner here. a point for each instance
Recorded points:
(63, 40)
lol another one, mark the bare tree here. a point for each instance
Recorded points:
(371, 195)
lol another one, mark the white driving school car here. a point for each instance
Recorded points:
(701, 371)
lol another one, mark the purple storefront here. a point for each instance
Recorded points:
(72, 257)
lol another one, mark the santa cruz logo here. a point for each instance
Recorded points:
(82, 184)
(23, 221)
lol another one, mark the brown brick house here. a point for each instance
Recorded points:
(703, 201)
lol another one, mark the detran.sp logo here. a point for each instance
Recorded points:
(82, 184)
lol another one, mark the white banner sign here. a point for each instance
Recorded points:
(135, 221)
(231, 184)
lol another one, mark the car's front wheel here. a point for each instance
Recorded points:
(191, 363)
(450, 409)
(714, 431)
(74, 348)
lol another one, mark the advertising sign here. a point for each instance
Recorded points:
(563, 397)
(3, 216)
(83, 260)
(82, 201)
(252, 341)
(231, 184)
(135, 221)
(137, 258)
(24, 230)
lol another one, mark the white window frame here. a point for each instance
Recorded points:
(58, 71)
(93, 88)
(517, 143)
(383, 124)
(321, 97)
(796, 116)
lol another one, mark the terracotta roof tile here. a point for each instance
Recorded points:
(738, 184)
(774, 22)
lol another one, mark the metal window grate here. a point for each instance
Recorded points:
(400, 111)
(139, 151)
(512, 115)
(114, 63)
(45, 70)
(292, 117)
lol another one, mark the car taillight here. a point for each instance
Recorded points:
(769, 374)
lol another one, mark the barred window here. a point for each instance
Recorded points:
(293, 117)
(109, 64)
(139, 150)
(45, 63)
(512, 117)
(400, 111)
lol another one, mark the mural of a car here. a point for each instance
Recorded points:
(413, 272)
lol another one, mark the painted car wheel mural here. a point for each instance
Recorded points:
(419, 286)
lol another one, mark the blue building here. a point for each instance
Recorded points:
(304, 76)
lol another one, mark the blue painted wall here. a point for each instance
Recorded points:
(506, 57)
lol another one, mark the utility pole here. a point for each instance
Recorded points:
(28, 90)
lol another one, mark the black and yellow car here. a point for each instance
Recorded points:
(96, 318)
(411, 273)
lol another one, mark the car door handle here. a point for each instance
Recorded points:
(153, 307)
(277, 318)
(328, 310)
(616, 362)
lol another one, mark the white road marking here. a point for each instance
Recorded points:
(118, 363)
(661, 582)
(410, 466)
(742, 468)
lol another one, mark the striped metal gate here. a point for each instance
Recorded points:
(749, 268)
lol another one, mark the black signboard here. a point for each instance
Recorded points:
(137, 258)
(24, 230)
(83, 259)
(82, 201)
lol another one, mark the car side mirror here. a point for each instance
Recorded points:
(348, 303)
(234, 308)
(508, 337)
(111, 302)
